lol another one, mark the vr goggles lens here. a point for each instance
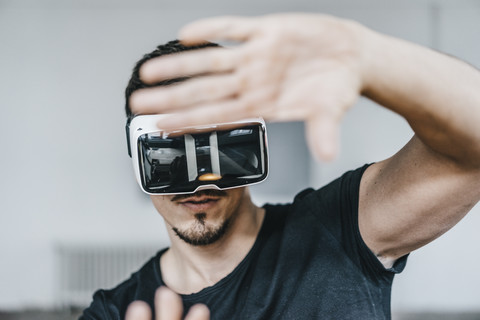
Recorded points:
(221, 156)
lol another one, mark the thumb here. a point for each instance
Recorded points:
(323, 137)
(168, 305)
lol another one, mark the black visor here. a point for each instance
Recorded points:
(222, 158)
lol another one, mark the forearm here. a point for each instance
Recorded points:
(438, 95)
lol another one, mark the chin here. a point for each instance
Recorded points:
(202, 233)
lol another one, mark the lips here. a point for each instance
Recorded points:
(197, 204)
(200, 200)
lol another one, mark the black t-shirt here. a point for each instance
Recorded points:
(308, 262)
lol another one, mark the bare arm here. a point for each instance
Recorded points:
(429, 185)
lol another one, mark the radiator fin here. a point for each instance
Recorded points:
(81, 270)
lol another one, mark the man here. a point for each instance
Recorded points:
(332, 253)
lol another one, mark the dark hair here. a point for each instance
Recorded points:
(171, 47)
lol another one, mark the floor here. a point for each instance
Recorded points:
(436, 316)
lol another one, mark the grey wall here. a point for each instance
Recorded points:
(65, 175)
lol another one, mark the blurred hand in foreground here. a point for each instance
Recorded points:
(168, 306)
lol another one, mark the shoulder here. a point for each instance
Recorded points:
(112, 303)
(339, 195)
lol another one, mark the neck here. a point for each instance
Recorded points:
(188, 269)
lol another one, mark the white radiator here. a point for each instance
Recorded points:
(81, 270)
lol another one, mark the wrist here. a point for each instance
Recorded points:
(370, 50)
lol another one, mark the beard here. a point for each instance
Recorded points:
(202, 234)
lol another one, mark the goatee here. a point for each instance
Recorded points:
(201, 234)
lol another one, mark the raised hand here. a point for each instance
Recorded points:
(286, 67)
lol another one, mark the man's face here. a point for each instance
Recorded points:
(200, 218)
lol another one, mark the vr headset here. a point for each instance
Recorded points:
(220, 156)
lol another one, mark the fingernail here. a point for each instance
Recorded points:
(145, 73)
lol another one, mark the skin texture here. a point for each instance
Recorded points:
(188, 268)
(313, 68)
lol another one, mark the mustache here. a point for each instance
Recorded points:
(206, 192)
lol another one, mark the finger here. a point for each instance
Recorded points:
(219, 28)
(187, 64)
(205, 129)
(225, 111)
(323, 137)
(168, 305)
(178, 96)
(198, 312)
(138, 310)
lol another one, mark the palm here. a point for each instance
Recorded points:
(278, 73)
